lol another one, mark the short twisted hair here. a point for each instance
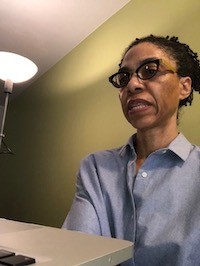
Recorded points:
(186, 60)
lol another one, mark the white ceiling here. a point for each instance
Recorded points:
(46, 30)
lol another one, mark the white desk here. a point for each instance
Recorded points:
(59, 247)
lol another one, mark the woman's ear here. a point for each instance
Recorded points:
(185, 88)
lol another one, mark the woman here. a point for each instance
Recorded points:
(147, 191)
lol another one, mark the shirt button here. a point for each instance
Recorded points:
(144, 174)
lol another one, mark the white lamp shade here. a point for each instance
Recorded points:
(16, 68)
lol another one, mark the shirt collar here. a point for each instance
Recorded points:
(129, 146)
(180, 146)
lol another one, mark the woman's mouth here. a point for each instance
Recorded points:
(138, 105)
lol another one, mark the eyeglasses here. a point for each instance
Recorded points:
(145, 71)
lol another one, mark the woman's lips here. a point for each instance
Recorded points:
(138, 105)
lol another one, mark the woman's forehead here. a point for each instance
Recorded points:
(144, 50)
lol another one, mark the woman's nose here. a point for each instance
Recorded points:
(135, 85)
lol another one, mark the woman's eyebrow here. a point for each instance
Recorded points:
(147, 60)
(141, 62)
(125, 68)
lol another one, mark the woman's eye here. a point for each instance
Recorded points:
(148, 70)
(123, 78)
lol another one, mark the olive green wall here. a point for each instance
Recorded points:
(72, 110)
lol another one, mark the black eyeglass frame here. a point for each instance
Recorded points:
(130, 73)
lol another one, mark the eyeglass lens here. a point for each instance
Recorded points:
(145, 71)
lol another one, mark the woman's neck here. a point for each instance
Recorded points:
(148, 141)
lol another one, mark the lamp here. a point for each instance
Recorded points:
(14, 68)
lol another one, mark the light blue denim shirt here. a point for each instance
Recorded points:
(158, 208)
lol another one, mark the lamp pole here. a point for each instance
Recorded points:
(26, 69)
(8, 87)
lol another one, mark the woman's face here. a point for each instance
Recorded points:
(153, 102)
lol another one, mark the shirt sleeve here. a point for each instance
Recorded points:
(82, 215)
(88, 212)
